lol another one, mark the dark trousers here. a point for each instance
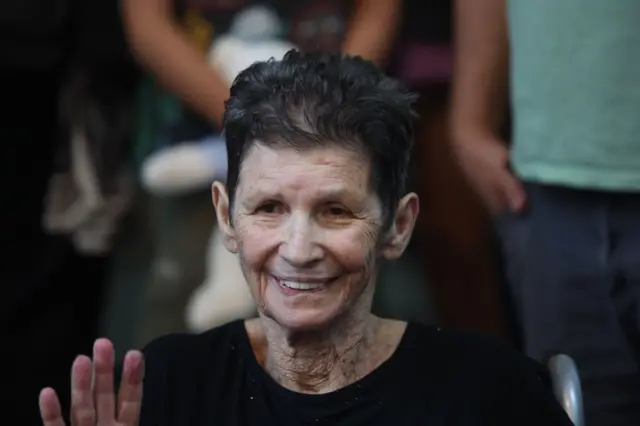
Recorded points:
(573, 261)
(51, 296)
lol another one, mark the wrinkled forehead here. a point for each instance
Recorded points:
(314, 172)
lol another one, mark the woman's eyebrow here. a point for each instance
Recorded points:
(263, 190)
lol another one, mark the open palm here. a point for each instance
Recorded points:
(95, 403)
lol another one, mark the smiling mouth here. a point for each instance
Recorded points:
(299, 285)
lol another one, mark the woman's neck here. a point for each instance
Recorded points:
(327, 360)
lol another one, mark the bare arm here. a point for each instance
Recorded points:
(480, 87)
(372, 30)
(161, 46)
(480, 77)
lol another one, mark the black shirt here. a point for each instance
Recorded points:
(435, 378)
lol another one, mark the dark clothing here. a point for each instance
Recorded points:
(34, 34)
(51, 295)
(574, 263)
(434, 378)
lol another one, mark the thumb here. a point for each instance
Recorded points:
(513, 192)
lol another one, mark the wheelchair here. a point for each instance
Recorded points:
(567, 389)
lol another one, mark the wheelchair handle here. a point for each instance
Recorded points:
(567, 387)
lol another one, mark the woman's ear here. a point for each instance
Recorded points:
(399, 234)
(221, 205)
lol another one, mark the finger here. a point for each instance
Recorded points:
(514, 192)
(493, 198)
(130, 395)
(50, 410)
(82, 411)
(103, 394)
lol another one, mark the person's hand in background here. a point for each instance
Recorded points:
(96, 403)
(485, 162)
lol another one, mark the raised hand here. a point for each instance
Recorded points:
(95, 403)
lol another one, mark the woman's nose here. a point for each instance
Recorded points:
(300, 246)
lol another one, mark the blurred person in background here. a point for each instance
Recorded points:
(51, 292)
(567, 195)
(454, 234)
(162, 45)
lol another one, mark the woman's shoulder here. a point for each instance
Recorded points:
(468, 344)
(190, 347)
(486, 373)
(184, 370)
(477, 355)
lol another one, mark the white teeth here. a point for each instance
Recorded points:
(300, 286)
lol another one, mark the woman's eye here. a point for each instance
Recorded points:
(270, 208)
(337, 211)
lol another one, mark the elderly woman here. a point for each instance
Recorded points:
(315, 198)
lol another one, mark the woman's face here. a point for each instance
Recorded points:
(307, 227)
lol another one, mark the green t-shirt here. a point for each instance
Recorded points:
(575, 79)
